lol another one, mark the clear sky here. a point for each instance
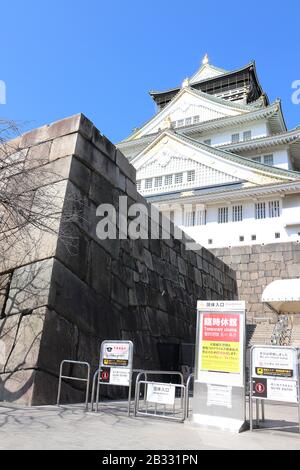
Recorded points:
(61, 57)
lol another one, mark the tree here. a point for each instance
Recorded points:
(33, 201)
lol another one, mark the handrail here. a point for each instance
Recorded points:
(78, 379)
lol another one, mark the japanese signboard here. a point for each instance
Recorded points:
(115, 354)
(221, 342)
(219, 398)
(274, 373)
(162, 394)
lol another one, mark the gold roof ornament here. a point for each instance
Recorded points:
(186, 83)
(205, 60)
(167, 123)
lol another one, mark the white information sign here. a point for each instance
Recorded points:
(274, 362)
(275, 373)
(282, 390)
(217, 395)
(119, 376)
(116, 354)
(162, 394)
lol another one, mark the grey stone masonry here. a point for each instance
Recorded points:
(257, 266)
(60, 302)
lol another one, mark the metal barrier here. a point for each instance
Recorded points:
(96, 375)
(151, 409)
(187, 396)
(145, 382)
(78, 379)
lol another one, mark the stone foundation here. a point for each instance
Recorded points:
(59, 303)
(256, 267)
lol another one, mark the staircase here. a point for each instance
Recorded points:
(295, 336)
(259, 334)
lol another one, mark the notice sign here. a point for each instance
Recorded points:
(275, 373)
(162, 394)
(273, 362)
(275, 390)
(220, 345)
(218, 395)
(115, 354)
(119, 376)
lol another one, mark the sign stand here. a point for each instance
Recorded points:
(219, 388)
(274, 376)
(116, 363)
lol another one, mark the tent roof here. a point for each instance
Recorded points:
(283, 295)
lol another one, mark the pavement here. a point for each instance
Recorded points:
(71, 428)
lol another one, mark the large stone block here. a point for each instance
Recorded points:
(29, 288)
(63, 146)
(22, 337)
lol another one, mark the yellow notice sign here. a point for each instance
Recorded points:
(220, 345)
(220, 357)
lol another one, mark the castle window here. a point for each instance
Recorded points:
(257, 159)
(190, 219)
(274, 209)
(179, 178)
(139, 185)
(210, 242)
(247, 135)
(207, 142)
(168, 180)
(242, 239)
(196, 119)
(148, 183)
(269, 160)
(188, 121)
(253, 238)
(158, 182)
(260, 210)
(201, 217)
(237, 213)
(235, 138)
(277, 235)
(223, 215)
(191, 176)
(180, 123)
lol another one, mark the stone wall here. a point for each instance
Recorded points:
(60, 303)
(256, 267)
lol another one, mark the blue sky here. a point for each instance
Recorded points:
(61, 57)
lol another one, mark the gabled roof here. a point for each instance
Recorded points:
(206, 98)
(206, 72)
(248, 67)
(273, 113)
(246, 166)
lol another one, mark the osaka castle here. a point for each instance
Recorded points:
(218, 160)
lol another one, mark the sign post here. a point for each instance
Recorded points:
(274, 376)
(219, 396)
(116, 363)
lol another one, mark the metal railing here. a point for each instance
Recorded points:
(93, 398)
(187, 395)
(77, 379)
(152, 410)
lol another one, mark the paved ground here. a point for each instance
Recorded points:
(72, 428)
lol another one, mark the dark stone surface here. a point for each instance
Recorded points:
(141, 290)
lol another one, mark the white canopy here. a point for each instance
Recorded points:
(283, 296)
